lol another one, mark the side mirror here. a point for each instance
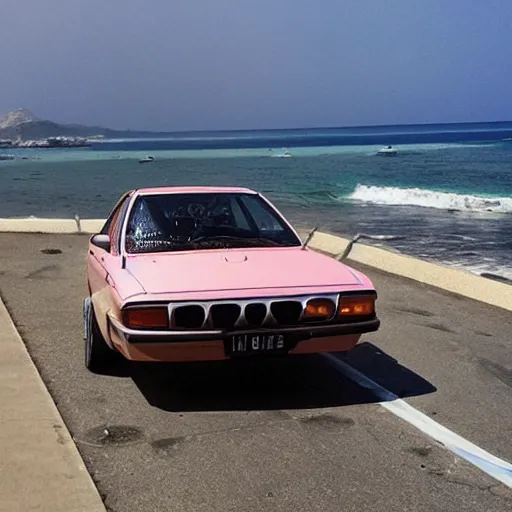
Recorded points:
(101, 241)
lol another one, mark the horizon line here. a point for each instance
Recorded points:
(326, 127)
(304, 128)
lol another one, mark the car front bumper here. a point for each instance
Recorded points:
(208, 345)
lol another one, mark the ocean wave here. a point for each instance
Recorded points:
(431, 199)
(491, 269)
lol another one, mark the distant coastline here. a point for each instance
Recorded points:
(22, 124)
(51, 142)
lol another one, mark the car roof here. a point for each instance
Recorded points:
(192, 190)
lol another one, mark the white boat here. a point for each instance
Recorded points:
(147, 159)
(387, 151)
(285, 154)
(7, 157)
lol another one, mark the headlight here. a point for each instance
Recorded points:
(146, 318)
(356, 306)
(319, 309)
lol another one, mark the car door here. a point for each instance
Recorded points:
(99, 260)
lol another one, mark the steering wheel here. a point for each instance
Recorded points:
(196, 210)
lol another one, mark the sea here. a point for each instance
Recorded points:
(446, 196)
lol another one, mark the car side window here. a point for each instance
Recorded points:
(105, 230)
(113, 224)
(114, 230)
(106, 227)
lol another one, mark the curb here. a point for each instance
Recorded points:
(40, 465)
(55, 226)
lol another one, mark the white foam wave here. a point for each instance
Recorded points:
(490, 268)
(431, 199)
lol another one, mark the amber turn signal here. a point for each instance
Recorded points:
(319, 309)
(357, 306)
(146, 318)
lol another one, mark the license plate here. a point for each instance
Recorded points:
(248, 344)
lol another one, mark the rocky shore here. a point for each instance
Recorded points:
(51, 142)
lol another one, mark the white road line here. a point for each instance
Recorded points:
(497, 468)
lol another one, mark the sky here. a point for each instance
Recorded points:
(244, 64)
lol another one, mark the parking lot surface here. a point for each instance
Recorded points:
(285, 434)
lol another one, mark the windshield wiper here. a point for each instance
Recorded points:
(160, 246)
(235, 238)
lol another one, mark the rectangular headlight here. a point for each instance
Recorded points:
(319, 309)
(146, 318)
(356, 306)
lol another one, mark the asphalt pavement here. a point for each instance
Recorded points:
(283, 435)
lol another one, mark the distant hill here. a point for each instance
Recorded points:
(23, 123)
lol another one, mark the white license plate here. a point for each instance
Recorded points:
(256, 344)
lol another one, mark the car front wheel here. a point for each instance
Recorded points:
(99, 357)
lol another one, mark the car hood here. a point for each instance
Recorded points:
(258, 271)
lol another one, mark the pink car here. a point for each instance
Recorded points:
(206, 274)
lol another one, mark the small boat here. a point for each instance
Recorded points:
(147, 159)
(388, 151)
(7, 157)
(285, 154)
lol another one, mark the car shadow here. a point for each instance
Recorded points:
(298, 382)
(383, 369)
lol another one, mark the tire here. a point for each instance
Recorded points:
(99, 357)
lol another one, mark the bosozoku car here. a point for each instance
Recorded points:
(213, 273)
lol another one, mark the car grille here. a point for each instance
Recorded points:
(224, 316)
(190, 317)
(255, 314)
(241, 314)
(286, 312)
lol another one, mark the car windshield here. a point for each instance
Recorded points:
(181, 222)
